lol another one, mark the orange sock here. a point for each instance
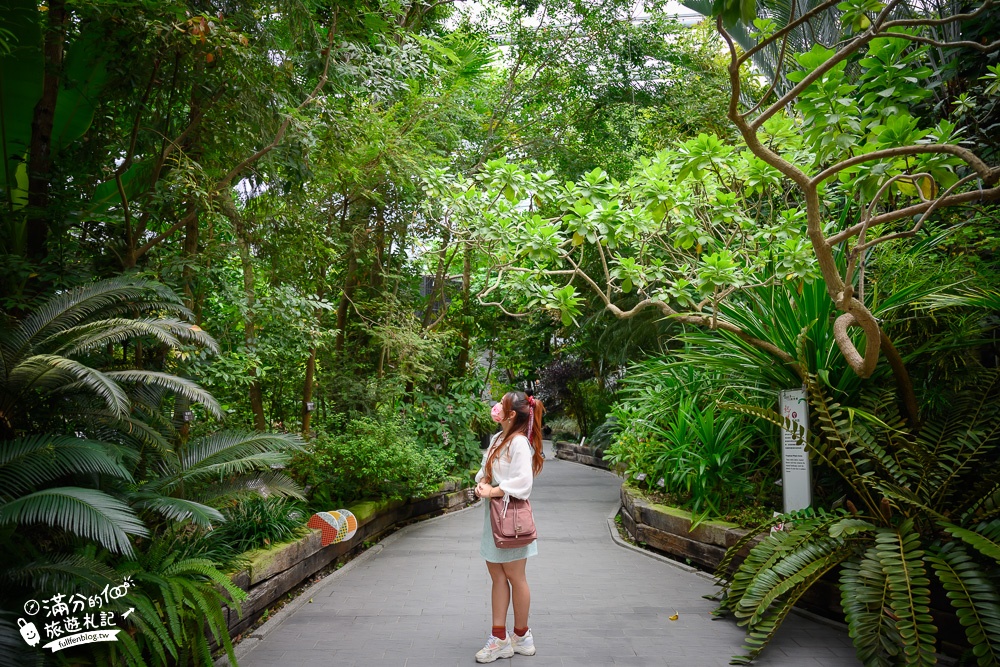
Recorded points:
(520, 632)
(500, 631)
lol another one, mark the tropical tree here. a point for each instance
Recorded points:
(701, 222)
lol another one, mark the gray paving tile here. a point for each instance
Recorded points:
(423, 600)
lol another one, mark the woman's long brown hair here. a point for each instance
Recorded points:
(527, 411)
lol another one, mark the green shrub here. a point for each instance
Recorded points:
(920, 520)
(373, 458)
(564, 428)
(453, 422)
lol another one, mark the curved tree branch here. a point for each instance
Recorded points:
(965, 154)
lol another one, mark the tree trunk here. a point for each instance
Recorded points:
(307, 392)
(346, 295)
(249, 293)
(439, 281)
(307, 387)
(40, 149)
(464, 331)
(190, 250)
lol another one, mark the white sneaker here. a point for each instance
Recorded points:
(496, 648)
(524, 645)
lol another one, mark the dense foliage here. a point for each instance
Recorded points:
(926, 507)
(263, 258)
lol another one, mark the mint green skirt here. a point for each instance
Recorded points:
(489, 551)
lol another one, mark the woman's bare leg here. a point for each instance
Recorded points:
(501, 593)
(520, 592)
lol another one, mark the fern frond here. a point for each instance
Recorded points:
(814, 556)
(908, 502)
(909, 595)
(773, 548)
(974, 598)
(864, 597)
(761, 634)
(722, 571)
(985, 538)
(979, 438)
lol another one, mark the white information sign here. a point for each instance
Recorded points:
(796, 480)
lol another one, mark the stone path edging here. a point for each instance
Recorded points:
(250, 642)
(423, 599)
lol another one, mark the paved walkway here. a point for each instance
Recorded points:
(421, 597)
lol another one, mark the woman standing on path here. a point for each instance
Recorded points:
(509, 467)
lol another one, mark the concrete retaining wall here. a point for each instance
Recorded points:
(585, 454)
(276, 570)
(668, 529)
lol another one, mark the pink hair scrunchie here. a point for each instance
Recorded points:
(531, 416)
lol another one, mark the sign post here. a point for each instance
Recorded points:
(796, 478)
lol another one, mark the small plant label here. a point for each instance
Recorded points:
(796, 478)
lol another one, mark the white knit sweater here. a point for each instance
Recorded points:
(512, 469)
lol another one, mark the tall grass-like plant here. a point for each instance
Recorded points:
(255, 521)
(778, 314)
(705, 457)
(923, 511)
(671, 437)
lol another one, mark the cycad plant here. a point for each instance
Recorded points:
(63, 353)
(190, 481)
(923, 511)
(85, 466)
(56, 378)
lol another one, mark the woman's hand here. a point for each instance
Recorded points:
(484, 490)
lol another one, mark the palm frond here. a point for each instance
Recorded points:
(177, 385)
(973, 297)
(229, 446)
(269, 482)
(77, 305)
(95, 335)
(178, 509)
(13, 650)
(63, 571)
(56, 374)
(238, 467)
(26, 463)
(87, 513)
(136, 431)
